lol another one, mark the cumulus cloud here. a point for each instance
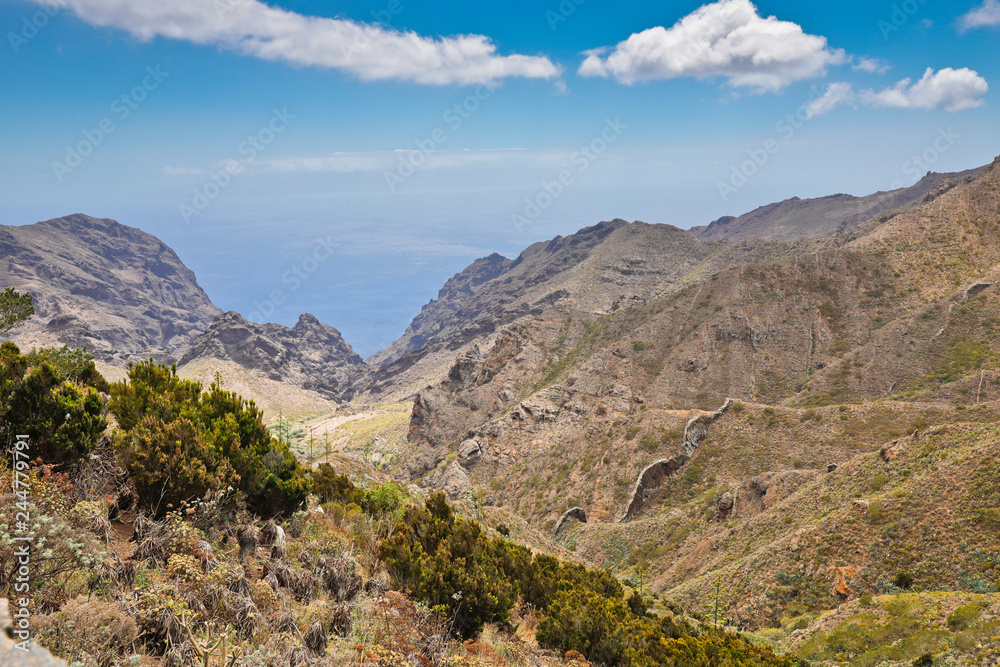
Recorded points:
(948, 89)
(836, 94)
(870, 65)
(984, 16)
(728, 38)
(370, 52)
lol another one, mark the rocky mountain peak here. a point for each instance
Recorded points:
(310, 354)
(118, 291)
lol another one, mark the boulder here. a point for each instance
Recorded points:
(724, 505)
(452, 480)
(11, 655)
(469, 453)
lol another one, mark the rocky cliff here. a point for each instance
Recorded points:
(310, 354)
(599, 270)
(116, 290)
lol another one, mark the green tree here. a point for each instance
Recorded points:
(15, 309)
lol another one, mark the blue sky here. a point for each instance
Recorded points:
(345, 158)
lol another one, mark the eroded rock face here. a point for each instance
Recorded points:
(116, 290)
(469, 453)
(763, 492)
(311, 355)
(656, 474)
(577, 514)
(451, 479)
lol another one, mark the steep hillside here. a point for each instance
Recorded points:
(814, 218)
(607, 415)
(763, 332)
(600, 269)
(116, 290)
(941, 261)
(310, 355)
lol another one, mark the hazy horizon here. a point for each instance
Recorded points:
(416, 137)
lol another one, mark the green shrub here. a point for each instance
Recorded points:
(62, 415)
(74, 365)
(879, 481)
(209, 437)
(963, 617)
(448, 563)
(903, 580)
(170, 462)
(382, 500)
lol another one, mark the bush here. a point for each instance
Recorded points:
(61, 555)
(382, 500)
(451, 565)
(83, 627)
(472, 579)
(170, 462)
(73, 364)
(963, 617)
(879, 481)
(180, 442)
(603, 629)
(61, 414)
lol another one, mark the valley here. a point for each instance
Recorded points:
(787, 419)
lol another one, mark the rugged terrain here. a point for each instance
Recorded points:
(600, 269)
(310, 354)
(116, 290)
(793, 412)
(849, 371)
(814, 218)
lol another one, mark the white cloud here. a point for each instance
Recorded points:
(370, 52)
(985, 16)
(948, 89)
(728, 38)
(870, 65)
(836, 94)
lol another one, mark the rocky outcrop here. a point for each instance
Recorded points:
(469, 453)
(577, 514)
(762, 492)
(696, 429)
(116, 290)
(12, 650)
(657, 473)
(452, 479)
(311, 355)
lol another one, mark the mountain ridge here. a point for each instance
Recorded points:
(119, 291)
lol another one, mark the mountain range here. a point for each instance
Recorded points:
(726, 401)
